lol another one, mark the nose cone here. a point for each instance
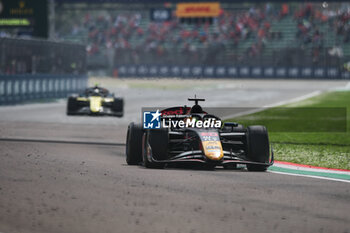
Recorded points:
(95, 103)
(213, 150)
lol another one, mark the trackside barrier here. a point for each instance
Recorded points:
(24, 87)
(231, 72)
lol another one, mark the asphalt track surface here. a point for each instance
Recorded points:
(68, 174)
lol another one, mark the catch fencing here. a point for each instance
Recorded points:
(32, 69)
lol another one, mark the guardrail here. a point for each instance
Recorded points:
(24, 87)
(231, 72)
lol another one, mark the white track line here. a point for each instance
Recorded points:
(243, 113)
(300, 98)
(297, 99)
(310, 176)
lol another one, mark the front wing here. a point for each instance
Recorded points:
(106, 111)
(197, 156)
(82, 107)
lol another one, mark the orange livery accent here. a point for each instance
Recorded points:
(213, 150)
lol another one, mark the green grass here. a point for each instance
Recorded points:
(326, 141)
(316, 155)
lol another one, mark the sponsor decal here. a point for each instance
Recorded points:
(209, 71)
(212, 148)
(205, 9)
(186, 70)
(281, 72)
(95, 104)
(153, 70)
(22, 9)
(14, 22)
(269, 71)
(217, 71)
(197, 70)
(306, 71)
(122, 70)
(256, 71)
(178, 111)
(175, 70)
(164, 70)
(244, 71)
(232, 71)
(293, 71)
(132, 70)
(319, 72)
(332, 72)
(220, 71)
(142, 70)
(161, 14)
(209, 136)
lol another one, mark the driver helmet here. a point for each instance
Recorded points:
(196, 109)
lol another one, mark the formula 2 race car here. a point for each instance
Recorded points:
(198, 142)
(95, 101)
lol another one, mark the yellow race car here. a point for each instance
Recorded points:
(95, 101)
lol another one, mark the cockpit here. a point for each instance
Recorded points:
(96, 91)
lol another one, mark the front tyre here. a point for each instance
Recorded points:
(258, 147)
(118, 107)
(72, 106)
(133, 148)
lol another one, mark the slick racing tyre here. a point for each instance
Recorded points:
(133, 149)
(158, 140)
(118, 107)
(258, 147)
(72, 106)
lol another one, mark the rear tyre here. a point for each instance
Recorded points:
(158, 140)
(258, 147)
(72, 106)
(133, 149)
